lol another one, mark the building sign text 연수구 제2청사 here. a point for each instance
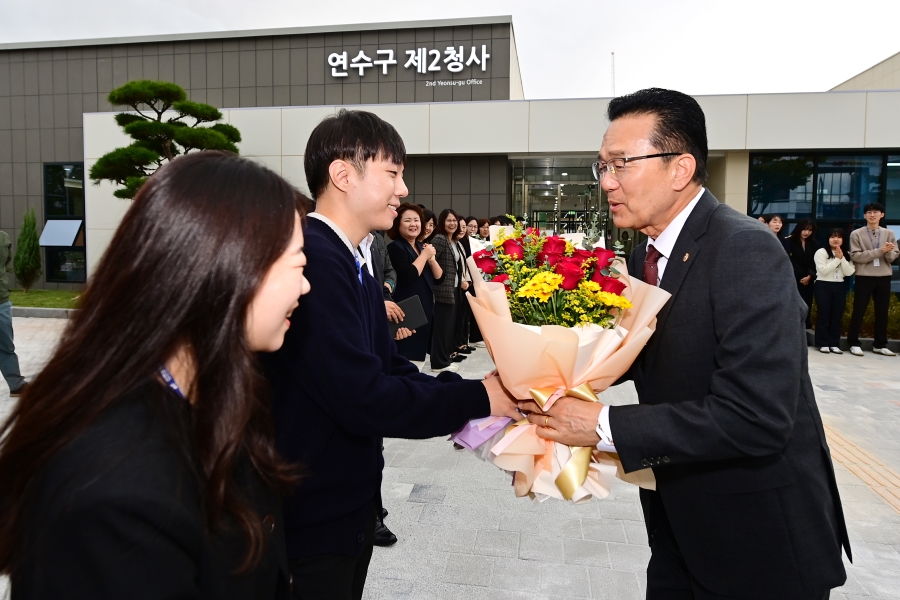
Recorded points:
(422, 60)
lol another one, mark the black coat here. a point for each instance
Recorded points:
(338, 387)
(728, 419)
(803, 259)
(119, 514)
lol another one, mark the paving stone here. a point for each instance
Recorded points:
(607, 584)
(625, 557)
(604, 530)
(469, 569)
(427, 494)
(570, 581)
(585, 552)
(516, 575)
(497, 543)
(545, 549)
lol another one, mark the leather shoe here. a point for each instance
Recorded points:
(383, 536)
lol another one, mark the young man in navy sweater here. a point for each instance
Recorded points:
(338, 384)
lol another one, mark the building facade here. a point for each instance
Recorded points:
(454, 92)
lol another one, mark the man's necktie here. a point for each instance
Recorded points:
(651, 272)
(358, 266)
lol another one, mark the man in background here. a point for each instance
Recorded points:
(872, 249)
(9, 362)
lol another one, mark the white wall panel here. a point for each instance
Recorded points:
(292, 170)
(410, 120)
(479, 127)
(296, 125)
(726, 121)
(273, 162)
(828, 120)
(567, 125)
(260, 130)
(883, 120)
(105, 135)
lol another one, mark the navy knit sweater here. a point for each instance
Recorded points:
(338, 387)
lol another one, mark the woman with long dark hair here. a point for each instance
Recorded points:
(140, 463)
(832, 268)
(446, 293)
(428, 224)
(462, 250)
(417, 271)
(802, 249)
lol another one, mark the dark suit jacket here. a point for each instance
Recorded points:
(338, 387)
(728, 419)
(119, 514)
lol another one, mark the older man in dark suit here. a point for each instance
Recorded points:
(746, 503)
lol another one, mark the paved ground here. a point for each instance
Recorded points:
(463, 534)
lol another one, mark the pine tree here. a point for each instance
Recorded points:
(27, 262)
(160, 129)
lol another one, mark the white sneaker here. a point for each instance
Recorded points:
(856, 351)
(824, 350)
(837, 351)
(884, 352)
(420, 364)
(453, 368)
(480, 345)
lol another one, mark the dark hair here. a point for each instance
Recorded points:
(483, 222)
(836, 231)
(441, 225)
(181, 271)
(801, 225)
(768, 218)
(352, 135)
(502, 220)
(470, 219)
(394, 231)
(680, 123)
(873, 206)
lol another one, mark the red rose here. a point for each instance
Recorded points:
(609, 284)
(554, 244)
(571, 272)
(484, 260)
(582, 255)
(551, 258)
(513, 249)
(603, 257)
(501, 278)
(532, 231)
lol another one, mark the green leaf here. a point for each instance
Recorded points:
(202, 138)
(197, 110)
(122, 163)
(150, 130)
(157, 146)
(229, 131)
(132, 185)
(124, 119)
(144, 91)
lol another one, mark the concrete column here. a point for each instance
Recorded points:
(737, 173)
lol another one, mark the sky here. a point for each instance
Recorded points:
(564, 46)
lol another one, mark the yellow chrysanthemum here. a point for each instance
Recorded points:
(615, 300)
(541, 286)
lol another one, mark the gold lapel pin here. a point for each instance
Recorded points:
(686, 256)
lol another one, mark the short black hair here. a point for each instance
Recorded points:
(680, 123)
(873, 206)
(352, 135)
(836, 231)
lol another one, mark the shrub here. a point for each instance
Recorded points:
(27, 262)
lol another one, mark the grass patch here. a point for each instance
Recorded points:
(44, 298)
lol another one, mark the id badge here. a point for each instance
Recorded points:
(837, 276)
(877, 262)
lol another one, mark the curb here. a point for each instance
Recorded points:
(865, 343)
(42, 313)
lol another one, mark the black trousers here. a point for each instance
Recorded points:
(806, 292)
(463, 318)
(830, 299)
(668, 577)
(333, 576)
(443, 334)
(878, 289)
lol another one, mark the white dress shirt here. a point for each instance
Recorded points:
(665, 244)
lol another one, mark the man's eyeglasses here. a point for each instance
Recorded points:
(616, 166)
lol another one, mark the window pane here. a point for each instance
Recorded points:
(892, 194)
(846, 184)
(65, 265)
(63, 193)
(781, 185)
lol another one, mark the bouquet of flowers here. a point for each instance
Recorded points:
(558, 321)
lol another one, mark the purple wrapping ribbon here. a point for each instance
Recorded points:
(471, 437)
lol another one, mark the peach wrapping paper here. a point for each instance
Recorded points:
(551, 356)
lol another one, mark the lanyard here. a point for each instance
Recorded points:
(170, 381)
(875, 244)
